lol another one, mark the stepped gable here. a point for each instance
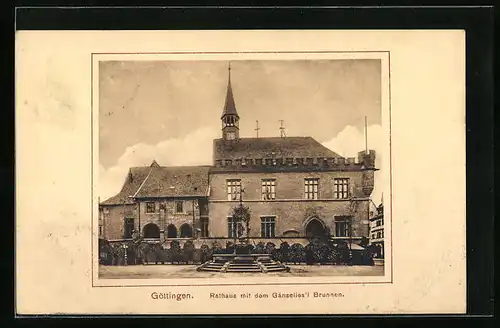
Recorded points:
(175, 181)
(134, 179)
(274, 147)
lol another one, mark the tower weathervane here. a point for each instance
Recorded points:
(282, 129)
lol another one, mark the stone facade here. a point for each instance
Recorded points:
(113, 220)
(164, 215)
(291, 211)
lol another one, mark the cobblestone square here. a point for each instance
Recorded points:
(159, 271)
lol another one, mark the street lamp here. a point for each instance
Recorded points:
(125, 248)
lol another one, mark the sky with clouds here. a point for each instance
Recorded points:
(169, 111)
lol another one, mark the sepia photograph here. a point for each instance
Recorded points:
(240, 168)
(240, 172)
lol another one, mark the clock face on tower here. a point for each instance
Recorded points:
(230, 135)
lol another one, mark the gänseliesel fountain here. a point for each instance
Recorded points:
(242, 259)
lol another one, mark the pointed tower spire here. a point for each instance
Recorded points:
(230, 118)
(229, 105)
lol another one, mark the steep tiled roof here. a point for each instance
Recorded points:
(291, 147)
(175, 181)
(134, 179)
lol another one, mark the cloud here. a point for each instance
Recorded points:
(193, 149)
(351, 140)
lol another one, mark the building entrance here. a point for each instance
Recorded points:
(316, 229)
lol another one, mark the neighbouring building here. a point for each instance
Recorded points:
(377, 231)
(295, 187)
(160, 202)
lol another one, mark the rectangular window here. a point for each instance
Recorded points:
(234, 230)
(150, 207)
(128, 228)
(311, 188)
(100, 231)
(379, 223)
(267, 226)
(233, 189)
(268, 189)
(342, 226)
(378, 234)
(204, 227)
(341, 188)
(179, 206)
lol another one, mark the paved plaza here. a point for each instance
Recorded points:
(152, 271)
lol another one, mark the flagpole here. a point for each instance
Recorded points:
(366, 136)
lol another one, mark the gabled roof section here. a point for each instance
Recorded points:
(175, 181)
(229, 105)
(275, 147)
(135, 178)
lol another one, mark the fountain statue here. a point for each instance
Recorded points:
(242, 259)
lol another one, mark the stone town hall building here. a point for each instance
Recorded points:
(295, 188)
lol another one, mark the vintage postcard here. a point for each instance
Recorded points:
(201, 175)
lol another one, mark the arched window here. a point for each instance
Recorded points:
(151, 230)
(171, 231)
(186, 231)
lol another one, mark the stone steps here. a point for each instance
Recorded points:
(244, 270)
(277, 269)
(274, 266)
(213, 266)
(211, 269)
(241, 264)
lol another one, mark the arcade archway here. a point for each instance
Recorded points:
(171, 231)
(186, 231)
(151, 230)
